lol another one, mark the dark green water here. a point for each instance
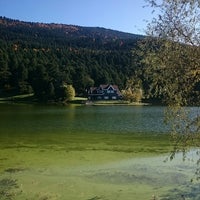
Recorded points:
(73, 119)
(52, 125)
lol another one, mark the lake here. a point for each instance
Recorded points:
(89, 153)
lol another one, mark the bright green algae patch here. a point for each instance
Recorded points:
(89, 166)
(129, 143)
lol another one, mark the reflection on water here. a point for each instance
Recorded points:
(107, 119)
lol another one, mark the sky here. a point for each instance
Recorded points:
(122, 15)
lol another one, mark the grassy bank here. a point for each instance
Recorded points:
(30, 98)
(19, 98)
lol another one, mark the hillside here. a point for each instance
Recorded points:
(42, 58)
(39, 57)
(61, 34)
(63, 30)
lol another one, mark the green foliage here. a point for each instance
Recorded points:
(170, 71)
(67, 92)
(170, 56)
(133, 91)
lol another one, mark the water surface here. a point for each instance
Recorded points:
(89, 153)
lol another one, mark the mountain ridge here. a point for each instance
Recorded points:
(70, 29)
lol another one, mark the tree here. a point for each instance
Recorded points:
(68, 92)
(65, 92)
(133, 91)
(4, 71)
(172, 65)
(40, 82)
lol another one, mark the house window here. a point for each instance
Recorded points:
(114, 97)
(106, 97)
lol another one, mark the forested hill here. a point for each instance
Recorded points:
(60, 31)
(40, 57)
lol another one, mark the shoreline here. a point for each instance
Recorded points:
(30, 99)
(115, 103)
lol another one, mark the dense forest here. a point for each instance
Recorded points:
(41, 58)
